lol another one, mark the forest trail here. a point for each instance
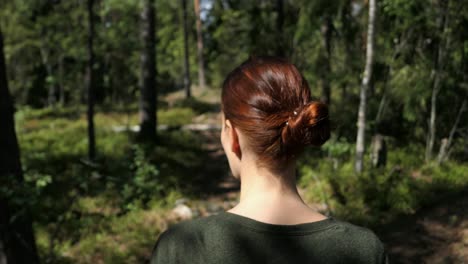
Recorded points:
(435, 234)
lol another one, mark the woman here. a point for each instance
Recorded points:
(268, 118)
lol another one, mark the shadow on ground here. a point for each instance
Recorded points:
(435, 234)
(213, 177)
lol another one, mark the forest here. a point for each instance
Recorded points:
(110, 119)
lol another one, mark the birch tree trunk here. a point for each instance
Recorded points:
(148, 73)
(361, 124)
(437, 76)
(201, 60)
(187, 82)
(90, 83)
(17, 243)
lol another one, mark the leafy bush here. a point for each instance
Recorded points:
(145, 183)
(127, 239)
(378, 195)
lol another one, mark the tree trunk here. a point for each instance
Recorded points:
(326, 30)
(17, 244)
(90, 83)
(378, 151)
(61, 82)
(201, 61)
(148, 73)
(436, 76)
(187, 82)
(280, 47)
(51, 100)
(444, 148)
(361, 124)
(349, 39)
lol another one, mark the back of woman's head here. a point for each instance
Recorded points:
(269, 101)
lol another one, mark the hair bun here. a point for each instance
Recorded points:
(310, 126)
(316, 124)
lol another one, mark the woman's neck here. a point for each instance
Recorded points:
(272, 196)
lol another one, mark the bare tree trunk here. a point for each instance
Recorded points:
(348, 37)
(201, 60)
(432, 118)
(326, 30)
(61, 82)
(90, 83)
(378, 151)
(17, 243)
(437, 76)
(187, 82)
(445, 149)
(148, 73)
(360, 140)
(47, 64)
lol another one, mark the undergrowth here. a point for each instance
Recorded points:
(110, 210)
(378, 195)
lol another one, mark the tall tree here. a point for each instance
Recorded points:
(17, 244)
(45, 56)
(201, 60)
(148, 73)
(90, 83)
(187, 82)
(439, 62)
(360, 139)
(326, 30)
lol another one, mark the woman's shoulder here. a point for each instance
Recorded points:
(355, 230)
(188, 229)
(359, 239)
(183, 241)
(188, 238)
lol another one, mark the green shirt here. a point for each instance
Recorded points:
(229, 238)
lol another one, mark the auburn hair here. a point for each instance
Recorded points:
(269, 100)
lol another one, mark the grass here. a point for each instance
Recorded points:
(110, 211)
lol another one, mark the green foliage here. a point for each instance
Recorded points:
(145, 183)
(111, 210)
(196, 105)
(380, 195)
(90, 205)
(127, 239)
(338, 148)
(44, 53)
(176, 116)
(108, 237)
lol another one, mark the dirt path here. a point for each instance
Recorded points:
(437, 234)
(218, 184)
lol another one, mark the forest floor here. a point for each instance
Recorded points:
(435, 234)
